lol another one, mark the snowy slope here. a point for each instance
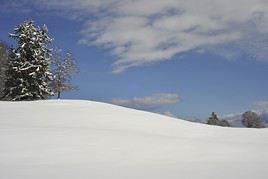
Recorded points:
(90, 140)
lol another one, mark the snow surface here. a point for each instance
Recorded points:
(73, 139)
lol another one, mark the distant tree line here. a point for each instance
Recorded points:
(32, 71)
(249, 119)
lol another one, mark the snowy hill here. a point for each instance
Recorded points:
(90, 140)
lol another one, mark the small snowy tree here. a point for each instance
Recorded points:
(64, 67)
(3, 66)
(214, 120)
(28, 69)
(252, 120)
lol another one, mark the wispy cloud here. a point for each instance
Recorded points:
(263, 105)
(139, 32)
(148, 102)
(15, 7)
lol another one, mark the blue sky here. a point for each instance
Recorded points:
(173, 57)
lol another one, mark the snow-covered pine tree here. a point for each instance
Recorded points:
(3, 66)
(63, 67)
(28, 69)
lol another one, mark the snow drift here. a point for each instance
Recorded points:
(68, 139)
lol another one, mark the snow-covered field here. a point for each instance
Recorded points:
(90, 140)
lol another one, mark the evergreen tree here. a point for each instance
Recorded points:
(63, 69)
(28, 69)
(3, 66)
(214, 120)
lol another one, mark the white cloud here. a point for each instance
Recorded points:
(262, 105)
(148, 102)
(14, 7)
(139, 32)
